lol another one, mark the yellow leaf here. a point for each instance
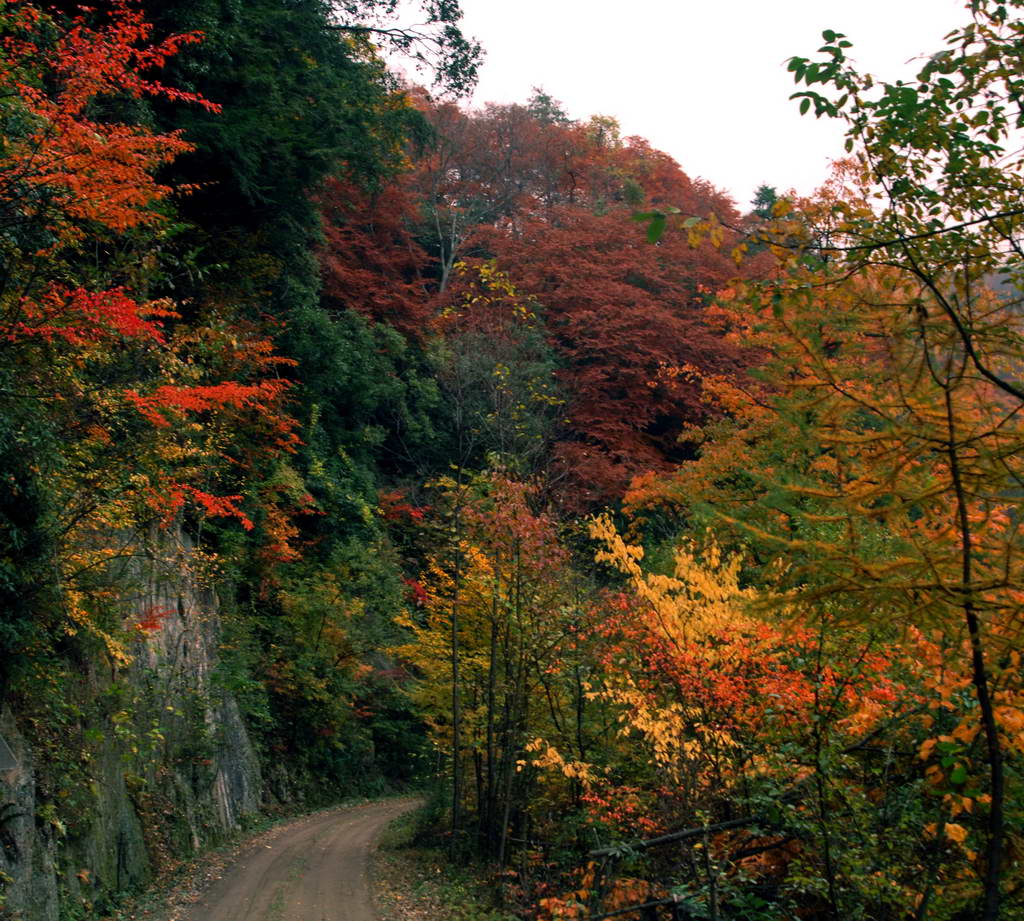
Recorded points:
(956, 832)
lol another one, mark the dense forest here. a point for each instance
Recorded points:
(353, 439)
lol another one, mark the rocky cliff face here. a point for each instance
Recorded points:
(138, 763)
(27, 851)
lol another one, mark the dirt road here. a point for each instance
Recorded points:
(314, 869)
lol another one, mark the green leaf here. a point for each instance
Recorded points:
(656, 228)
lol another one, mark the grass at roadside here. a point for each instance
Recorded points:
(414, 883)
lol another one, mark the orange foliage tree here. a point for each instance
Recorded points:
(745, 722)
(877, 466)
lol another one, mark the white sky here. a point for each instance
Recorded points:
(703, 80)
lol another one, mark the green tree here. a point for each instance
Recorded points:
(764, 200)
(546, 109)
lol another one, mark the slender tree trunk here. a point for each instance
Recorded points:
(507, 805)
(489, 810)
(979, 678)
(478, 776)
(820, 787)
(456, 825)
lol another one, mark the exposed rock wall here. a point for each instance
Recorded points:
(27, 850)
(165, 766)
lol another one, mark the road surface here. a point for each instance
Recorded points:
(313, 869)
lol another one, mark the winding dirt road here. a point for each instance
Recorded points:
(314, 869)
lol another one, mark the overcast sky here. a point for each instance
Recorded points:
(704, 81)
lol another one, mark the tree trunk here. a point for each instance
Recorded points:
(979, 678)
